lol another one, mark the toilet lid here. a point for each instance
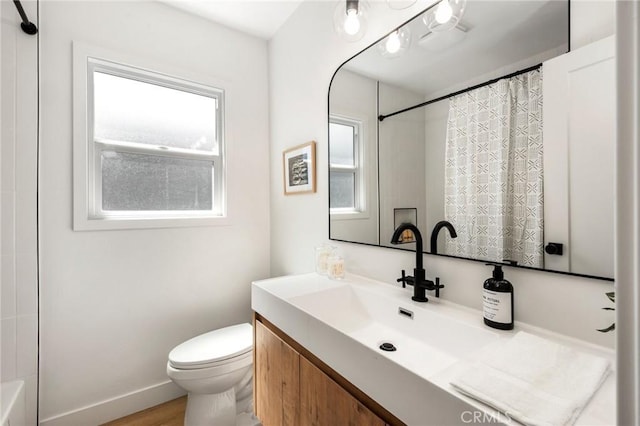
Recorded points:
(218, 345)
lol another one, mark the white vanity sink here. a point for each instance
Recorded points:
(425, 340)
(345, 322)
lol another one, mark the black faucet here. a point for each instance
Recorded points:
(436, 231)
(418, 281)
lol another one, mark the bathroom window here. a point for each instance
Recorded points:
(154, 149)
(345, 165)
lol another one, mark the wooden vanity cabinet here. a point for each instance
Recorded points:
(324, 402)
(293, 387)
(276, 379)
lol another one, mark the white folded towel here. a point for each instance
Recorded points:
(533, 380)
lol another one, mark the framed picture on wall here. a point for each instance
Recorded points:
(299, 169)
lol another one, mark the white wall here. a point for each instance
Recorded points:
(436, 116)
(401, 156)
(114, 303)
(18, 152)
(591, 20)
(303, 56)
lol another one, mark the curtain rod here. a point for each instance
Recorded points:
(381, 117)
(26, 25)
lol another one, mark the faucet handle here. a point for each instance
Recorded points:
(405, 279)
(438, 286)
(402, 279)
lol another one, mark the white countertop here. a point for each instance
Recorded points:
(344, 322)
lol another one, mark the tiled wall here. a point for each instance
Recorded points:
(18, 153)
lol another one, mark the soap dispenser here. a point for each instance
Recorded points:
(497, 300)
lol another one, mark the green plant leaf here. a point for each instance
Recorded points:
(608, 329)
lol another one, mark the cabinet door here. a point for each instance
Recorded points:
(277, 377)
(323, 402)
(579, 128)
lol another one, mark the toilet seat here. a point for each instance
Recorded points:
(212, 370)
(229, 345)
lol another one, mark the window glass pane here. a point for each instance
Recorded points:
(342, 190)
(341, 144)
(133, 182)
(133, 111)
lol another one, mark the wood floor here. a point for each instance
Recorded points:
(168, 414)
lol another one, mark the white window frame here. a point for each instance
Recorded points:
(88, 213)
(359, 211)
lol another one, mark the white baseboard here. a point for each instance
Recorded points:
(117, 407)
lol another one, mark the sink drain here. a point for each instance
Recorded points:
(388, 347)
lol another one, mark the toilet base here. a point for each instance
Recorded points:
(217, 410)
(230, 408)
(247, 419)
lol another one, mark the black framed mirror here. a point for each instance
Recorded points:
(479, 129)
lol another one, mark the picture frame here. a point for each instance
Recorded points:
(299, 169)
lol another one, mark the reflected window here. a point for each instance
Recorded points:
(345, 165)
(156, 144)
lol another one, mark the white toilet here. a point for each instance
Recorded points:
(216, 368)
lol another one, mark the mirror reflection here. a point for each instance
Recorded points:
(485, 134)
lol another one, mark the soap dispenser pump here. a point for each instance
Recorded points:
(497, 300)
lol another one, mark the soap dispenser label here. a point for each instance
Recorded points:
(497, 306)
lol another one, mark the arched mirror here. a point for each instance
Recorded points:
(488, 134)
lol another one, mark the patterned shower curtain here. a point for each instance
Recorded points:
(493, 189)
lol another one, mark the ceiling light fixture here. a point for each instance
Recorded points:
(445, 15)
(350, 20)
(444, 12)
(395, 43)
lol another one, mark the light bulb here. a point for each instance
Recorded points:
(352, 23)
(444, 15)
(350, 19)
(444, 12)
(393, 43)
